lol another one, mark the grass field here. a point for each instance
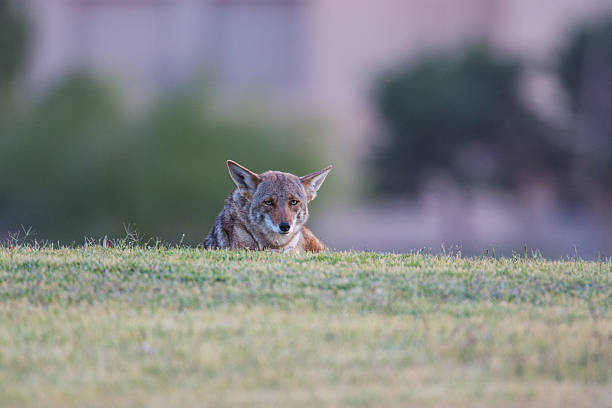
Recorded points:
(101, 327)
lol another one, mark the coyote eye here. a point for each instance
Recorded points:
(294, 202)
(268, 202)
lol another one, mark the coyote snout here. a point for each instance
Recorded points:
(267, 211)
(280, 218)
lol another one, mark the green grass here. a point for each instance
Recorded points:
(104, 327)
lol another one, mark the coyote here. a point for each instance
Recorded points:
(267, 211)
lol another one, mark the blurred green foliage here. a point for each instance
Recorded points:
(13, 36)
(12, 42)
(461, 116)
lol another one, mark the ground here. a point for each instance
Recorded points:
(131, 326)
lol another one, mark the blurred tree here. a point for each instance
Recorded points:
(12, 42)
(585, 70)
(461, 116)
(54, 154)
(12, 51)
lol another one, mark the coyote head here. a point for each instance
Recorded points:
(276, 202)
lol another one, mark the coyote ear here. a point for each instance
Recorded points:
(245, 179)
(313, 181)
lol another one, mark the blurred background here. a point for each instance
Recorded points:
(483, 126)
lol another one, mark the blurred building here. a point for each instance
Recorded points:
(317, 55)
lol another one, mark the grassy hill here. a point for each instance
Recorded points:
(126, 326)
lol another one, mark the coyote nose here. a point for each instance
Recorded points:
(284, 226)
